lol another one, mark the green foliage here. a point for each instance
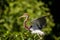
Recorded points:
(11, 27)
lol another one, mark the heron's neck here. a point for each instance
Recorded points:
(25, 21)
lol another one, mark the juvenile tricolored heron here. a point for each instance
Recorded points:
(36, 24)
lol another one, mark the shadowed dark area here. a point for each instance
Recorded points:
(3, 4)
(49, 37)
(16, 27)
(54, 8)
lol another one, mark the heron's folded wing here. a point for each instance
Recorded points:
(40, 22)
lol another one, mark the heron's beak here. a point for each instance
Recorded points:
(21, 16)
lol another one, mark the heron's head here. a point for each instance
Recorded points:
(24, 15)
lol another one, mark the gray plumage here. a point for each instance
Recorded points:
(40, 22)
(37, 25)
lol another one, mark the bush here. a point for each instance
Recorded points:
(11, 27)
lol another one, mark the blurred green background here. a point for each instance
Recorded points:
(11, 27)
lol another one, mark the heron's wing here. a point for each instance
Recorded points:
(40, 22)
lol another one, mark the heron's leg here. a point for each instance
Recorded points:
(35, 36)
(40, 37)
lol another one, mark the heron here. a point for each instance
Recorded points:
(36, 24)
